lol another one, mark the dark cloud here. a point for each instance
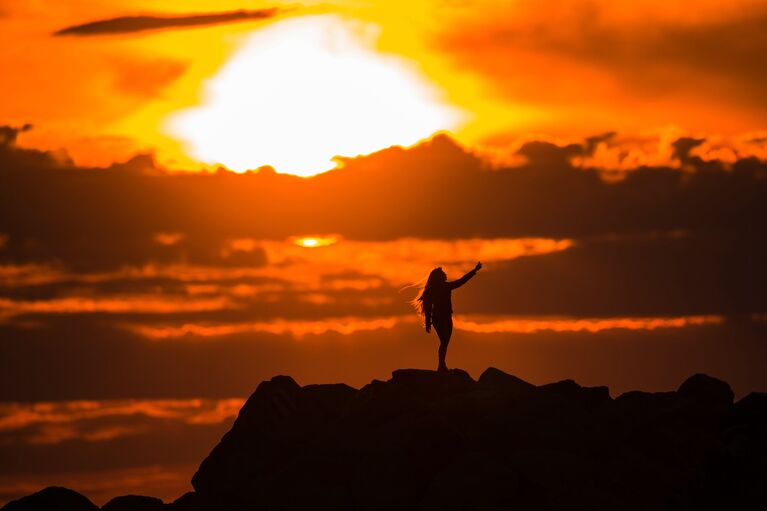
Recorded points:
(101, 219)
(128, 24)
(716, 58)
(654, 276)
(78, 358)
(592, 143)
(284, 302)
(682, 150)
(72, 358)
(147, 441)
(15, 158)
(9, 134)
(728, 49)
(108, 250)
(683, 146)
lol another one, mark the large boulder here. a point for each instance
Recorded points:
(497, 379)
(707, 391)
(53, 498)
(279, 426)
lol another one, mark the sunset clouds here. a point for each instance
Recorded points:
(157, 442)
(56, 422)
(606, 161)
(573, 69)
(620, 66)
(215, 269)
(128, 24)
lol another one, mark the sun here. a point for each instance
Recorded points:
(315, 241)
(304, 90)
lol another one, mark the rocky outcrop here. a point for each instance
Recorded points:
(52, 498)
(443, 441)
(427, 440)
(134, 503)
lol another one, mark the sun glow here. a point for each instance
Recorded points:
(315, 241)
(304, 90)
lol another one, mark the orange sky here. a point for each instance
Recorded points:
(606, 161)
(492, 72)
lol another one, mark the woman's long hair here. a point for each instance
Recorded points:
(423, 301)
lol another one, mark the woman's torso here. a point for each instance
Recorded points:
(442, 304)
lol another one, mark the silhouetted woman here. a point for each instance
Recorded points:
(437, 308)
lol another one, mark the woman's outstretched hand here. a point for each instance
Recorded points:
(478, 267)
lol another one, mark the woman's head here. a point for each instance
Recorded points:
(437, 276)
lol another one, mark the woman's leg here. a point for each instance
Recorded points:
(444, 328)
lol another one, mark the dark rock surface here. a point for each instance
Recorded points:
(426, 440)
(190, 501)
(442, 441)
(50, 499)
(134, 503)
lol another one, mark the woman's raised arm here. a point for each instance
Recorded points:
(463, 280)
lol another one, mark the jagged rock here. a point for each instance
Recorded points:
(190, 501)
(399, 443)
(279, 426)
(642, 407)
(705, 389)
(736, 473)
(588, 397)
(272, 401)
(53, 498)
(497, 379)
(442, 441)
(752, 409)
(134, 503)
